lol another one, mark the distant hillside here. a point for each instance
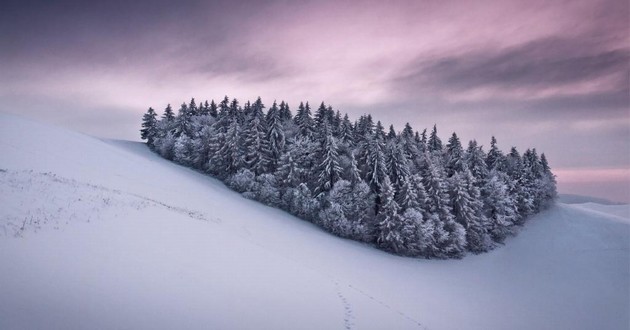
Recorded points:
(580, 199)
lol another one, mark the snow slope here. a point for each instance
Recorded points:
(105, 234)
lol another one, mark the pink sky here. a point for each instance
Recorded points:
(544, 74)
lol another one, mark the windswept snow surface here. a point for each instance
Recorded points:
(106, 235)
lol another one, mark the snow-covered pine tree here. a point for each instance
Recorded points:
(257, 147)
(372, 164)
(434, 144)
(149, 127)
(231, 154)
(454, 161)
(499, 206)
(409, 145)
(304, 121)
(168, 114)
(398, 170)
(335, 123)
(391, 135)
(202, 143)
(321, 118)
(212, 109)
(548, 183)
(285, 112)
(467, 208)
(346, 131)
(354, 201)
(192, 108)
(296, 164)
(495, 158)
(450, 237)
(183, 121)
(379, 131)
(183, 150)
(476, 163)
(364, 128)
(300, 202)
(517, 187)
(328, 171)
(275, 135)
(388, 221)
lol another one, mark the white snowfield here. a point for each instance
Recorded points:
(106, 235)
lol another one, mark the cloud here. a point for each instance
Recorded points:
(537, 65)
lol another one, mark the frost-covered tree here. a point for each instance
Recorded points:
(231, 155)
(467, 208)
(346, 131)
(285, 112)
(476, 163)
(499, 206)
(304, 121)
(388, 222)
(149, 127)
(454, 156)
(275, 135)
(449, 240)
(434, 144)
(296, 164)
(300, 202)
(328, 170)
(398, 170)
(168, 114)
(257, 146)
(495, 158)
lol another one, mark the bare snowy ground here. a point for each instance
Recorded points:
(104, 234)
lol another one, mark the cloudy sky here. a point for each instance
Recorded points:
(547, 74)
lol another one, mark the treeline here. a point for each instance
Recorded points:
(405, 192)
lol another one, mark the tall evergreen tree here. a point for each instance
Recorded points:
(468, 211)
(475, 161)
(499, 206)
(346, 131)
(257, 146)
(449, 237)
(304, 121)
(168, 114)
(454, 156)
(285, 112)
(388, 221)
(328, 159)
(275, 135)
(212, 109)
(434, 144)
(495, 158)
(149, 127)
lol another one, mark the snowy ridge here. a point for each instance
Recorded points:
(106, 234)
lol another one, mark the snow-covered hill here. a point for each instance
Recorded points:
(104, 234)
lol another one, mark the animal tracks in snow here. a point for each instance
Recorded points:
(348, 316)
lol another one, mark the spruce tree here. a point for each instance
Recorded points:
(388, 222)
(329, 170)
(149, 127)
(495, 158)
(257, 147)
(434, 144)
(304, 121)
(468, 211)
(275, 135)
(454, 156)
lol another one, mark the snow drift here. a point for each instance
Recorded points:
(105, 234)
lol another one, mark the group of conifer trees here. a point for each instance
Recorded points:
(404, 192)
